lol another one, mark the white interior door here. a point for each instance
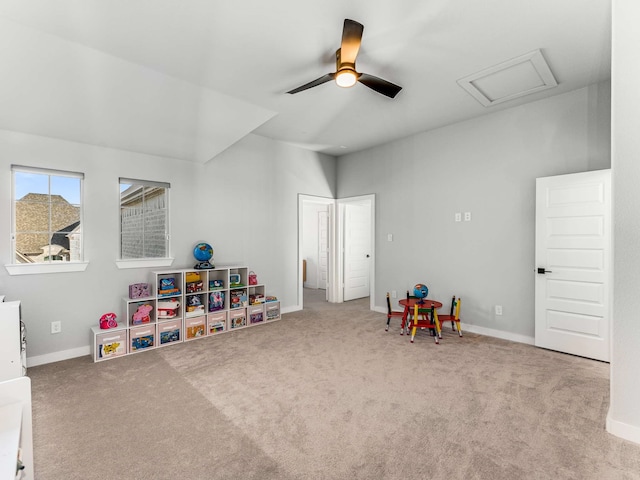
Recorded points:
(573, 245)
(357, 250)
(323, 249)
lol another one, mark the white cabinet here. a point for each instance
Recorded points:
(12, 360)
(16, 437)
(186, 304)
(15, 397)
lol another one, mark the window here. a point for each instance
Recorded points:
(144, 219)
(47, 216)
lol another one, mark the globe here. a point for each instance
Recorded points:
(203, 252)
(420, 291)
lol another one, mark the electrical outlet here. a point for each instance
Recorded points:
(394, 294)
(458, 217)
(389, 237)
(467, 216)
(498, 309)
(56, 327)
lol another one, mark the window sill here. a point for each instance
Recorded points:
(40, 268)
(144, 263)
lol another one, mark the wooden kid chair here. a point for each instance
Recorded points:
(454, 316)
(429, 320)
(391, 313)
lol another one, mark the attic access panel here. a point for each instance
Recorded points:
(515, 78)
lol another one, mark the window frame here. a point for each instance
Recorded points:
(15, 268)
(167, 259)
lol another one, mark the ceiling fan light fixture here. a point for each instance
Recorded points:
(346, 78)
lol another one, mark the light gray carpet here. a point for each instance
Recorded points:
(326, 393)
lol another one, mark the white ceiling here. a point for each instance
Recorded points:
(188, 78)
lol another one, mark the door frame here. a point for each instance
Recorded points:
(331, 277)
(340, 232)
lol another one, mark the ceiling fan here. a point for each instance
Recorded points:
(346, 74)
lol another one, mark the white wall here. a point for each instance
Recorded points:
(244, 204)
(624, 411)
(486, 166)
(79, 299)
(253, 190)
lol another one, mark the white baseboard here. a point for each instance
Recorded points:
(58, 356)
(490, 332)
(623, 430)
(295, 308)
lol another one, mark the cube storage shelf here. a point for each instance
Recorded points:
(187, 305)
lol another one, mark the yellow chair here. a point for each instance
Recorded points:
(454, 316)
(429, 320)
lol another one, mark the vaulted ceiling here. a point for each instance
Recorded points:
(188, 78)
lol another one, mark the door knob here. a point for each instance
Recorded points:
(543, 271)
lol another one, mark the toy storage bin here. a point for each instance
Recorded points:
(195, 328)
(217, 322)
(255, 313)
(170, 332)
(237, 318)
(272, 311)
(142, 338)
(110, 344)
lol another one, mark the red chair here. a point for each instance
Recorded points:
(454, 316)
(391, 313)
(429, 320)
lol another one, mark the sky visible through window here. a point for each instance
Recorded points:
(66, 187)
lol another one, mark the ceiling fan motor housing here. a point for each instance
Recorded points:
(346, 75)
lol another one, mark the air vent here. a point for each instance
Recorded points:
(509, 80)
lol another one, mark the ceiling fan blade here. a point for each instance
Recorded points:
(318, 81)
(351, 38)
(379, 85)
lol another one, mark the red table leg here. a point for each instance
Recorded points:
(405, 315)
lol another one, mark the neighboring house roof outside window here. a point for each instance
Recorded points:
(61, 237)
(32, 215)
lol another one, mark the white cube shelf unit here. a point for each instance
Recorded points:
(186, 305)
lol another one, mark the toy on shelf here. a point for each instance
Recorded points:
(203, 253)
(191, 277)
(216, 301)
(270, 298)
(108, 320)
(256, 299)
(253, 278)
(139, 290)
(234, 280)
(216, 284)
(194, 304)
(194, 287)
(142, 315)
(238, 298)
(168, 308)
(194, 282)
(168, 287)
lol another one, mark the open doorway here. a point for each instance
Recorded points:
(326, 227)
(315, 248)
